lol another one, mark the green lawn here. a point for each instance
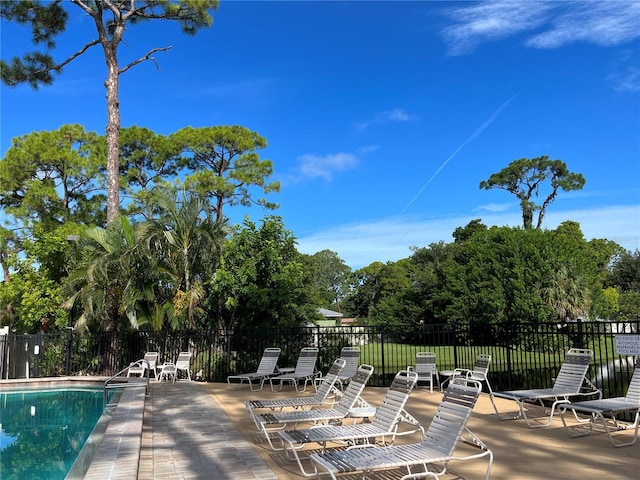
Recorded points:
(395, 356)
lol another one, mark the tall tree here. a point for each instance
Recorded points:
(329, 278)
(365, 290)
(524, 178)
(261, 278)
(383, 293)
(397, 301)
(225, 165)
(625, 274)
(111, 19)
(431, 266)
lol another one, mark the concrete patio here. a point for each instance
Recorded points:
(202, 430)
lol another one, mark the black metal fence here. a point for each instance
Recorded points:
(523, 356)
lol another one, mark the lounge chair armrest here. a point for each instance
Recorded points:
(361, 402)
(590, 389)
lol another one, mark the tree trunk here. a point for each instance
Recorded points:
(110, 328)
(113, 135)
(527, 217)
(5, 269)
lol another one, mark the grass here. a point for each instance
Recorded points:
(388, 358)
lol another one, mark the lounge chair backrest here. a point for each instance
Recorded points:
(330, 379)
(351, 355)
(452, 415)
(426, 363)
(573, 370)
(269, 361)
(306, 362)
(633, 391)
(387, 414)
(354, 389)
(482, 364)
(184, 359)
(152, 358)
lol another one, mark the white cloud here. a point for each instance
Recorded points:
(602, 23)
(387, 116)
(390, 239)
(627, 81)
(495, 207)
(395, 115)
(555, 23)
(491, 20)
(323, 166)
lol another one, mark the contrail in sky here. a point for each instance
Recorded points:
(478, 131)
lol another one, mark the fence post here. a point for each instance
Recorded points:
(507, 347)
(580, 333)
(382, 354)
(67, 369)
(210, 354)
(455, 345)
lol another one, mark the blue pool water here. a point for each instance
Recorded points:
(42, 432)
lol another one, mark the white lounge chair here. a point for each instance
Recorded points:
(168, 372)
(384, 425)
(325, 395)
(273, 422)
(606, 410)
(479, 371)
(266, 369)
(150, 360)
(426, 369)
(438, 446)
(305, 371)
(568, 383)
(183, 364)
(351, 355)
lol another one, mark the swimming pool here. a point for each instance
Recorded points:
(43, 431)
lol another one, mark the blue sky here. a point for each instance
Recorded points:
(383, 117)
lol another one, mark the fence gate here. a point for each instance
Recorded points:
(19, 355)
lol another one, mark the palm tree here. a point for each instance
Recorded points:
(188, 242)
(114, 282)
(147, 273)
(113, 277)
(567, 293)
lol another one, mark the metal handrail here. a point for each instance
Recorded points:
(110, 383)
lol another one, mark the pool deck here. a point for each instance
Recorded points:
(202, 430)
(186, 435)
(519, 452)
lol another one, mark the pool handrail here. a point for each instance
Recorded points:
(119, 381)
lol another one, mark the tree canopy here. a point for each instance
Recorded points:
(524, 178)
(224, 165)
(53, 177)
(260, 279)
(329, 277)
